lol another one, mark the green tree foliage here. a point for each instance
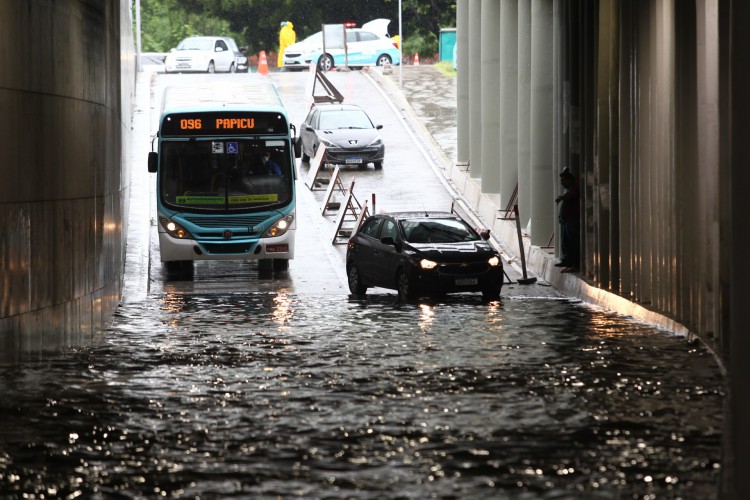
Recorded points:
(255, 23)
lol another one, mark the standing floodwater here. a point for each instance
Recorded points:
(282, 395)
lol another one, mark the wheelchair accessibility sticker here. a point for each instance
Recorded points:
(232, 148)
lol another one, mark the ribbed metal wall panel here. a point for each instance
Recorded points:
(66, 105)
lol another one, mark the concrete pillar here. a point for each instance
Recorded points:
(508, 99)
(490, 96)
(708, 151)
(607, 113)
(475, 90)
(627, 148)
(542, 190)
(462, 81)
(524, 112)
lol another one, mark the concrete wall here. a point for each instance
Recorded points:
(65, 93)
(628, 95)
(647, 106)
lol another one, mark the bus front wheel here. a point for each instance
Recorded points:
(280, 264)
(179, 269)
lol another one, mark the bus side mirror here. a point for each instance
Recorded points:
(153, 161)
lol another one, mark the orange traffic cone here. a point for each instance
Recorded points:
(263, 63)
(416, 59)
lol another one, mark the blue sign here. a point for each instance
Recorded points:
(232, 148)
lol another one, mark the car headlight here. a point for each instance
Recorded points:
(280, 227)
(377, 142)
(494, 261)
(328, 143)
(427, 264)
(175, 230)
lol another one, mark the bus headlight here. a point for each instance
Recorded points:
(280, 227)
(175, 230)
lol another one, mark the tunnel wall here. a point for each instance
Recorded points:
(628, 95)
(65, 93)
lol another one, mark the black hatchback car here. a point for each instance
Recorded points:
(422, 253)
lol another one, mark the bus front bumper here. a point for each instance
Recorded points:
(172, 249)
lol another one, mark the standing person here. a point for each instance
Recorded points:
(287, 36)
(570, 221)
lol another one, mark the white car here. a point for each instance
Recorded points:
(366, 46)
(203, 54)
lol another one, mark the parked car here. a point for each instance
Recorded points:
(422, 253)
(366, 46)
(203, 54)
(347, 132)
(240, 55)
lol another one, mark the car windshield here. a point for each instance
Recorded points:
(196, 44)
(438, 231)
(354, 118)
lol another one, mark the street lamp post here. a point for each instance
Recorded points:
(400, 50)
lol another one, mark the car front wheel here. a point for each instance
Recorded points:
(491, 293)
(355, 281)
(407, 289)
(211, 68)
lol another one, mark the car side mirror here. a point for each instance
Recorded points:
(218, 49)
(153, 161)
(485, 234)
(378, 127)
(388, 240)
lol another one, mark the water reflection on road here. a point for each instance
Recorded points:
(264, 394)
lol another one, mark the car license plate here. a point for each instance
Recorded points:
(354, 160)
(277, 248)
(466, 281)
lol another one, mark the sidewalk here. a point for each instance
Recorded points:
(428, 98)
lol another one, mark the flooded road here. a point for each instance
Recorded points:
(239, 385)
(272, 395)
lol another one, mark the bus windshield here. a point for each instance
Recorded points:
(225, 176)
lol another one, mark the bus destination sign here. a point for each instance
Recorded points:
(223, 123)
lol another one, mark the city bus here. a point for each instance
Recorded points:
(225, 177)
